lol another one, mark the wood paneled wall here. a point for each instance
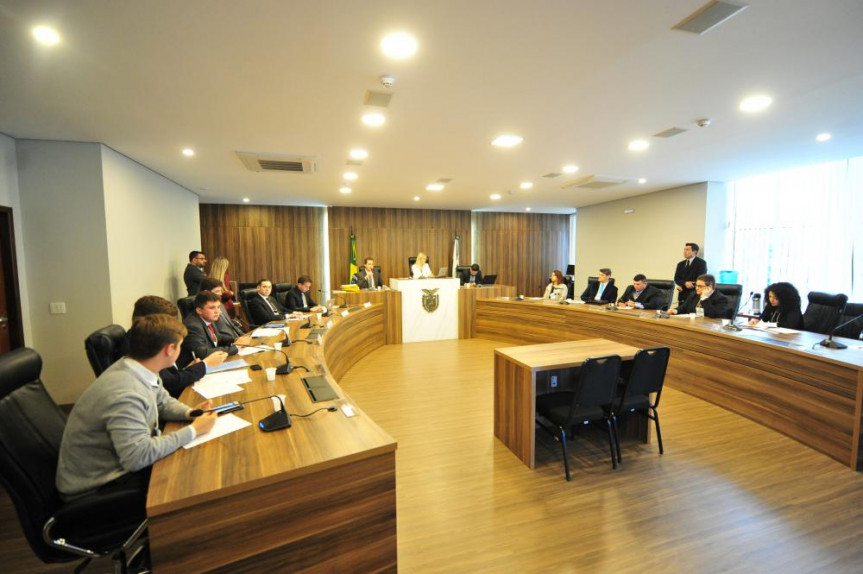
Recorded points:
(279, 242)
(392, 235)
(522, 248)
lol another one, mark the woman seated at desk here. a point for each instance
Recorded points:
(420, 269)
(782, 308)
(556, 290)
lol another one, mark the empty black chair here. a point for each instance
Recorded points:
(823, 313)
(645, 377)
(853, 328)
(105, 346)
(668, 290)
(733, 291)
(245, 295)
(108, 523)
(590, 401)
(186, 305)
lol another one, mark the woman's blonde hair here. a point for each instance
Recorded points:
(218, 268)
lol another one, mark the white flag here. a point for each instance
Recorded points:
(455, 255)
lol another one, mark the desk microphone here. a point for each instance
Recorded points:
(732, 326)
(278, 420)
(282, 369)
(830, 343)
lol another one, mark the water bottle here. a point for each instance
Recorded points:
(756, 304)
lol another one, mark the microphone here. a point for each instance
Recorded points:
(282, 369)
(830, 343)
(333, 299)
(278, 420)
(732, 326)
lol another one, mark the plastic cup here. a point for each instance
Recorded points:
(271, 373)
(277, 346)
(317, 317)
(726, 322)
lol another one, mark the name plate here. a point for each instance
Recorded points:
(344, 313)
(367, 304)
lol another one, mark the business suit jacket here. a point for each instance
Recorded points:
(192, 277)
(198, 340)
(650, 298)
(176, 380)
(226, 325)
(294, 300)
(465, 277)
(259, 312)
(789, 319)
(683, 274)
(715, 306)
(610, 293)
(363, 279)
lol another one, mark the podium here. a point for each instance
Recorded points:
(429, 308)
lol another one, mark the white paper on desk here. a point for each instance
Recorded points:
(684, 316)
(212, 391)
(236, 377)
(262, 332)
(297, 318)
(784, 331)
(249, 351)
(225, 424)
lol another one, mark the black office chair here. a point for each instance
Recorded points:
(569, 286)
(109, 523)
(854, 329)
(186, 305)
(823, 312)
(243, 285)
(668, 290)
(645, 376)
(412, 260)
(592, 400)
(733, 292)
(105, 346)
(245, 295)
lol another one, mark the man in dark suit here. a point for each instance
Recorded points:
(299, 299)
(706, 297)
(641, 295)
(368, 277)
(603, 291)
(472, 276)
(263, 307)
(203, 337)
(688, 271)
(225, 324)
(194, 273)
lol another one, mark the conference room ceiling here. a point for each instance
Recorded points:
(578, 80)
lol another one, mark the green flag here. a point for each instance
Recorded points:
(353, 263)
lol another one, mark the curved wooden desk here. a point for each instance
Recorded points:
(812, 395)
(318, 495)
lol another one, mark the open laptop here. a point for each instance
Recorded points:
(443, 272)
(489, 279)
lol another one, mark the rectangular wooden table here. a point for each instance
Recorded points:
(515, 384)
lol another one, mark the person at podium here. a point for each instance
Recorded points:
(420, 269)
(368, 277)
(472, 276)
(556, 290)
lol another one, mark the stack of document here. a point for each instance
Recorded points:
(225, 383)
(224, 424)
(262, 332)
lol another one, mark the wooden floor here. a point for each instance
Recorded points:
(727, 496)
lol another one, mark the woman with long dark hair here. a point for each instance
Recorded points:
(782, 308)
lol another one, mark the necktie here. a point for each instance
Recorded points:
(371, 277)
(270, 303)
(212, 334)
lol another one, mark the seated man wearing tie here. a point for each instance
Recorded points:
(602, 291)
(472, 276)
(368, 277)
(225, 324)
(640, 295)
(203, 337)
(263, 307)
(299, 299)
(714, 303)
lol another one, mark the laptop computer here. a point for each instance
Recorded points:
(489, 279)
(443, 272)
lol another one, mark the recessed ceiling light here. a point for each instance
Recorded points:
(188, 152)
(344, 189)
(495, 196)
(46, 35)
(374, 119)
(358, 154)
(399, 45)
(527, 209)
(569, 168)
(754, 104)
(246, 200)
(526, 185)
(350, 175)
(416, 198)
(434, 187)
(823, 137)
(638, 145)
(507, 140)
(641, 180)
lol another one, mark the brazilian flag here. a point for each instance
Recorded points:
(353, 261)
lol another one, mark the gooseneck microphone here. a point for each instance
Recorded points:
(278, 420)
(830, 343)
(732, 326)
(282, 369)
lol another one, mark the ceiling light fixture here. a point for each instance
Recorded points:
(46, 35)
(434, 187)
(527, 209)
(507, 140)
(358, 154)
(495, 196)
(374, 119)
(416, 198)
(526, 185)
(399, 45)
(569, 168)
(641, 181)
(246, 200)
(350, 175)
(638, 145)
(754, 104)
(344, 189)
(823, 137)
(188, 152)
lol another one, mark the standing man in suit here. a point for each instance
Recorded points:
(368, 277)
(203, 337)
(299, 299)
(688, 271)
(602, 290)
(472, 276)
(263, 307)
(194, 273)
(706, 297)
(641, 295)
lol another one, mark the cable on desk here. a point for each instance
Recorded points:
(330, 409)
(306, 369)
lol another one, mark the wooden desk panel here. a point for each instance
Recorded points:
(813, 396)
(392, 302)
(467, 298)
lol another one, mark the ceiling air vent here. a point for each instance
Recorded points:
(551, 175)
(594, 182)
(378, 99)
(708, 17)
(303, 164)
(669, 133)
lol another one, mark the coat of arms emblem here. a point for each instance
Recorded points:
(430, 300)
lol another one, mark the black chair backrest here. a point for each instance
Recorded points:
(186, 305)
(247, 294)
(489, 279)
(667, 288)
(241, 285)
(31, 428)
(105, 346)
(459, 269)
(411, 260)
(733, 291)
(648, 372)
(597, 382)
(282, 287)
(823, 313)
(596, 280)
(851, 330)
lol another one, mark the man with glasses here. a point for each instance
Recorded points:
(713, 303)
(195, 272)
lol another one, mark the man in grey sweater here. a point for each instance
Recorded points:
(113, 429)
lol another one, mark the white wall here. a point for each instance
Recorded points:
(650, 240)
(152, 224)
(10, 197)
(65, 245)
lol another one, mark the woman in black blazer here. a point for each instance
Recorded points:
(782, 308)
